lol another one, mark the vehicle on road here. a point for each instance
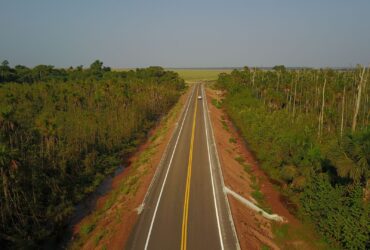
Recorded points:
(199, 97)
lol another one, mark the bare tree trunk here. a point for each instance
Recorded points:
(300, 99)
(368, 112)
(305, 95)
(295, 94)
(290, 95)
(342, 122)
(366, 109)
(287, 98)
(321, 118)
(358, 100)
(254, 74)
(317, 92)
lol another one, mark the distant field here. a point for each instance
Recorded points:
(193, 74)
(200, 74)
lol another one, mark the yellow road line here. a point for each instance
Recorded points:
(187, 188)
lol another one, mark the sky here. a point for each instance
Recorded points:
(189, 33)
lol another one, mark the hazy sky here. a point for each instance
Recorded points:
(189, 33)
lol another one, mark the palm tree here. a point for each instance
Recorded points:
(356, 161)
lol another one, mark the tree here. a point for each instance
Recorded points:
(23, 73)
(362, 82)
(96, 69)
(42, 72)
(280, 68)
(96, 66)
(4, 71)
(357, 149)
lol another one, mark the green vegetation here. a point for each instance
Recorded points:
(86, 229)
(224, 124)
(200, 74)
(291, 237)
(241, 161)
(264, 247)
(216, 103)
(280, 231)
(232, 140)
(310, 131)
(62, 131)
(100, 236)
(256, 194)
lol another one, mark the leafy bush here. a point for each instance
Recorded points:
(338, 212)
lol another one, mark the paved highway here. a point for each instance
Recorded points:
(185, 207)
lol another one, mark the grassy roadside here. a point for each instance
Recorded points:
(93, 231)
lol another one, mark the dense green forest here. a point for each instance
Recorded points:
(309, 129)
(62, 131)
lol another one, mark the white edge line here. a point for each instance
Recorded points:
(210, 169)
(222, 177)
(165, 178)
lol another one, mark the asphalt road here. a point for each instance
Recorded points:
(185, 207)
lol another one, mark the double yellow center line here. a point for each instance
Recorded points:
(187, 188)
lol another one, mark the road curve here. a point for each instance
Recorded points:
(186, 207)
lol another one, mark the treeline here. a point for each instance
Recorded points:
(310, 131)
(23, 74)
(62, 131)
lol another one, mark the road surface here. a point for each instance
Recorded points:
(185, 207)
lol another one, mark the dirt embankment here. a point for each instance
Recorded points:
(109, 226)
(243, 175)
